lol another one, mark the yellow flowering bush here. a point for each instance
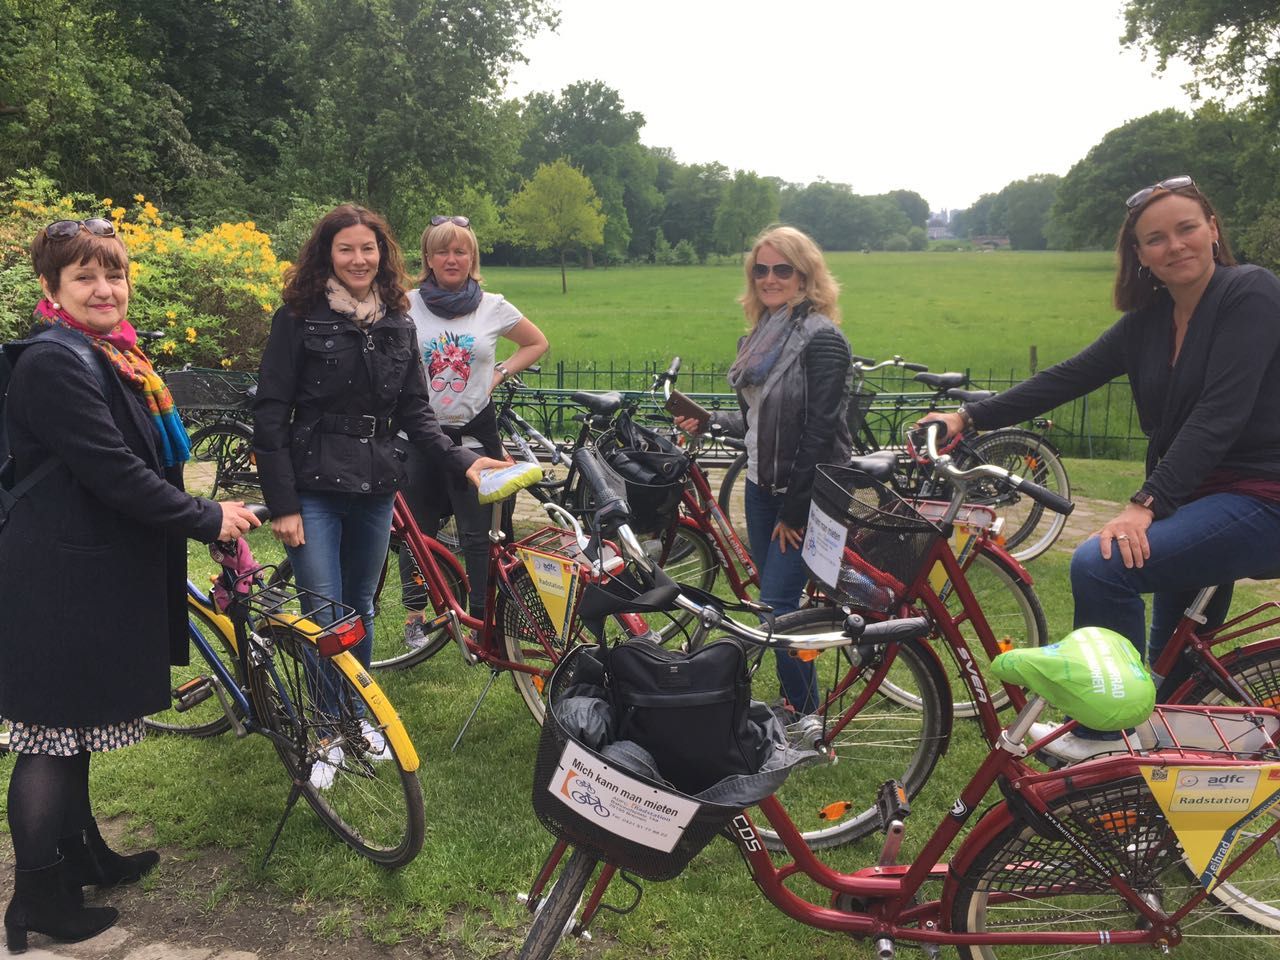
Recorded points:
(210, 294)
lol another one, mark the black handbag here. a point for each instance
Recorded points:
(689, 710)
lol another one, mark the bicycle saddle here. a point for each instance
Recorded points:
(942, 381)
(604, 404)
(878, 465)
(969, 396)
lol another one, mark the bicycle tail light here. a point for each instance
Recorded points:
(341, 636)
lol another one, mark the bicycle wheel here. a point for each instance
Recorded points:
(730, 490)
(883, 740)
(687, 556)
(208, 718)
(1013, 612)
(373, 805)
(1025, 882)
(222, 465)
(1029, 528)
(1258, 673)
(390, 614)
(555, 913)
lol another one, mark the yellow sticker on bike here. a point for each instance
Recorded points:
(1210, 809)
(556, 580)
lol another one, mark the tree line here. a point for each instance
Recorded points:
(272, 110)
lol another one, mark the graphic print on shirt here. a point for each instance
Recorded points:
(449, 358)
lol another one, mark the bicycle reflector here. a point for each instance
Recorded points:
(342, 636)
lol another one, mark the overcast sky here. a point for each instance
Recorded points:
(951, 99)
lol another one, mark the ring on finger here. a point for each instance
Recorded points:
(1122, 536)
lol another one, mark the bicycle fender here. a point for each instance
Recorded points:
(1003, 555)
(218, 619)
(388, 720)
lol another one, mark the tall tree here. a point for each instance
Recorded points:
(557, 210)
(749, 204)
(692, 201)
(912, 204)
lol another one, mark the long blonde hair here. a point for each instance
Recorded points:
(816, 283)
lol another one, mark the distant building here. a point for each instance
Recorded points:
(939, 226)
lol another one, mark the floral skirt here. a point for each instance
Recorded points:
(68, 741)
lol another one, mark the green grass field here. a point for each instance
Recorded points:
(948, 310)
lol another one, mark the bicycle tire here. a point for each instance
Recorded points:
(556, 911)
(728, 491)
(1013, 612)
(374, 806)
(390, 616)
(884, 740)
(1029, 528)
(222, 465)
(690, 557)
(1258, 673)
(1023, 881)
(206, 719)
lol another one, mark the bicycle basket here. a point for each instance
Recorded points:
(864, 542)
(653, 469)
(639, 824)
(201, 389)
(859, 406)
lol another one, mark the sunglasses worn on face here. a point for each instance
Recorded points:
(783, 271)
(456, 221)
(1173, 183)
(66, 229)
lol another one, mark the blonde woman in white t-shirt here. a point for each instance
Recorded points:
(459, 332)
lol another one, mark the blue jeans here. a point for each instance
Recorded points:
(346, 546)
(1215, 540)
(782, 580)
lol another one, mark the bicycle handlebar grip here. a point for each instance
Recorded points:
(917, 367)
(1055, 502)
(865, 361)
(611, 503)
(908, 628)
(674, 369)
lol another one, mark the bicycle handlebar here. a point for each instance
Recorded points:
(611, 503)
(867, 365)
(943, 462)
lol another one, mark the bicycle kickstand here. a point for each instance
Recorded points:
(294, 793)
(493, 675)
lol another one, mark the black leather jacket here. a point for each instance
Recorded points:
(332, 399)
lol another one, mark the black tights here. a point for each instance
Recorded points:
(48, 799)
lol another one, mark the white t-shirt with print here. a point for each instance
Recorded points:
(459, 355)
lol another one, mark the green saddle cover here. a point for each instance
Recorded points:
(1094, 674)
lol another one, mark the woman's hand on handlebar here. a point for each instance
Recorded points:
(288, 529)
(953, 423)
(237, 520)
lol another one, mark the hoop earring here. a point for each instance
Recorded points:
(1145, 274)
(1215, 249)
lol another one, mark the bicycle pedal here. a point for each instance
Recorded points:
(192, 693)
(892, 803)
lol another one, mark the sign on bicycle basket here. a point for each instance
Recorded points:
(824, 546)
(1210, 807)
(619, 804)
(556, 580)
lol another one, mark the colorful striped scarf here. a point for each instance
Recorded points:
(121, 348)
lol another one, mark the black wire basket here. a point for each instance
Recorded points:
(882, 541)
(196, 388)
(860, 402)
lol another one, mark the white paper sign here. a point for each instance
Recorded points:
(823, 546)
(618, 803)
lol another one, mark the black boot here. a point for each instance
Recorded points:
(91, 861)
(43, 904)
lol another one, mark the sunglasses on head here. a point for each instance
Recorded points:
(456, 221)
(783, 271)
(66, 229)
(1173, 183)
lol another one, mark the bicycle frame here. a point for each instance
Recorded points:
(703, 511)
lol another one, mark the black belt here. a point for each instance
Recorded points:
(354, 426)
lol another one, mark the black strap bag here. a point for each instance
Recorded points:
(653, 469)
(689, 710)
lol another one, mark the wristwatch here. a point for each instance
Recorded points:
(965, 417)
(1144, 499)
(502, 370)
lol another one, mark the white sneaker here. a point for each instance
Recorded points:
(378, 749)
(1072, 747)
(324, 772)
(415, 636)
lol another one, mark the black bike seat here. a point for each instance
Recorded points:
(878, 465)
(969, 396)
(942, 381)
(601, 403)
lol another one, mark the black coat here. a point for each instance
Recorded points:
(93, 560)
(331, 401)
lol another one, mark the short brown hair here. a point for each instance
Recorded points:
(48, 257)
(304, 281)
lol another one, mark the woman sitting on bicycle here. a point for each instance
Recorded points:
(792, 378)
(339, 391)
(458, 327)
(1200, 343)
(93, 566)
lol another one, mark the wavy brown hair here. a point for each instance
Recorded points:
(304, 281)
(1136, 292)
(816, 283)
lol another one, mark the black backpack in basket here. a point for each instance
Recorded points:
(653, 469)
(690, 710)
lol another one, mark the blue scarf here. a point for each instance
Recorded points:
(450, 303)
